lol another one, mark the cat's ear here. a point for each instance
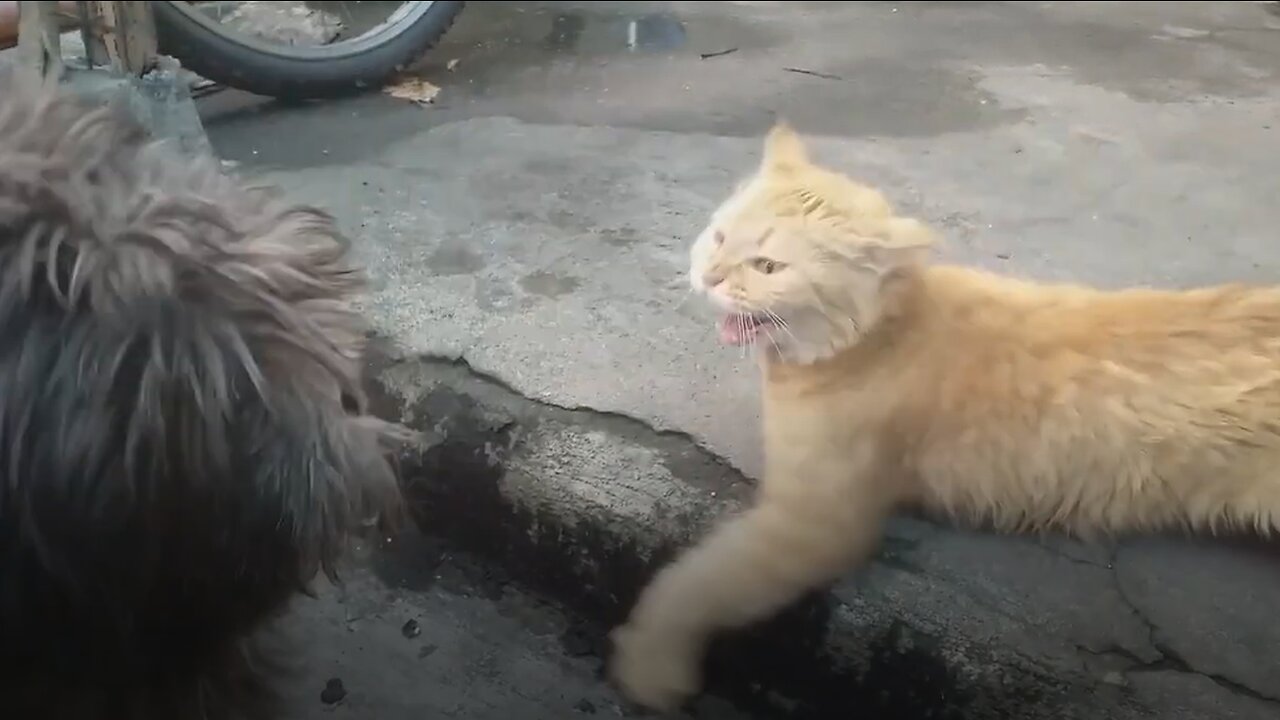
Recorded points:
(783, 148)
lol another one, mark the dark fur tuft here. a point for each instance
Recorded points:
(183, 437)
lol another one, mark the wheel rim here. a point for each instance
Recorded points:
(405, 15)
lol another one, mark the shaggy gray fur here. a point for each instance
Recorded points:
(183, 437)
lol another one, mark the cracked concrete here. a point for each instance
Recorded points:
(1192, 628)
(533, 225)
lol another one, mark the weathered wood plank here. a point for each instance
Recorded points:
(126, 32)
(39, 41)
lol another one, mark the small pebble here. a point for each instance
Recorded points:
(426, 651)
(411, 629)
(333, 692)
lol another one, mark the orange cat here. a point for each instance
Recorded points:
(888, 382)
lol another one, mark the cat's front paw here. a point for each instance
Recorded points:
(655, 670)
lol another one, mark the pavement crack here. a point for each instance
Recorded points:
(1075, 560)
(460, 362)
(1172, 660)
(1169, 658)
(813, 73)
(1114, 564)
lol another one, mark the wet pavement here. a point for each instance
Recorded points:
(417, 630)
(527, 234)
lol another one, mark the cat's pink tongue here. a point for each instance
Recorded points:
(732, 329)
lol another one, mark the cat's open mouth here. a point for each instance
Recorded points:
(741, 328)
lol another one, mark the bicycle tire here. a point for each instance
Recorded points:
(301, 73)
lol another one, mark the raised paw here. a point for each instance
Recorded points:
(654, 670)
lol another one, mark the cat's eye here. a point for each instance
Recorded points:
(719, 238)
(767, 266)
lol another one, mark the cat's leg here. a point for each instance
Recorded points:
(807, 530)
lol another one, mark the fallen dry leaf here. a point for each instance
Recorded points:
(451, 64)
(414, 90)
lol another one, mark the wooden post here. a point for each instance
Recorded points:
(95, 51)
(39, 40)
(126, 31)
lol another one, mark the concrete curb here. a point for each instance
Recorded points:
(582, 506)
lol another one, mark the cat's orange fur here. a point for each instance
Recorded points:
(888, 382)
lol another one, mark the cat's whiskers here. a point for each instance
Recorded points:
(782, 325)
(777, 350)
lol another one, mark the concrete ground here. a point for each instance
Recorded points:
(528, 233)
(419, 631)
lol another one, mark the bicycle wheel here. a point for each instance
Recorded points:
(239, 59)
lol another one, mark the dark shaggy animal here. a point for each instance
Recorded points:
(183, 444)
